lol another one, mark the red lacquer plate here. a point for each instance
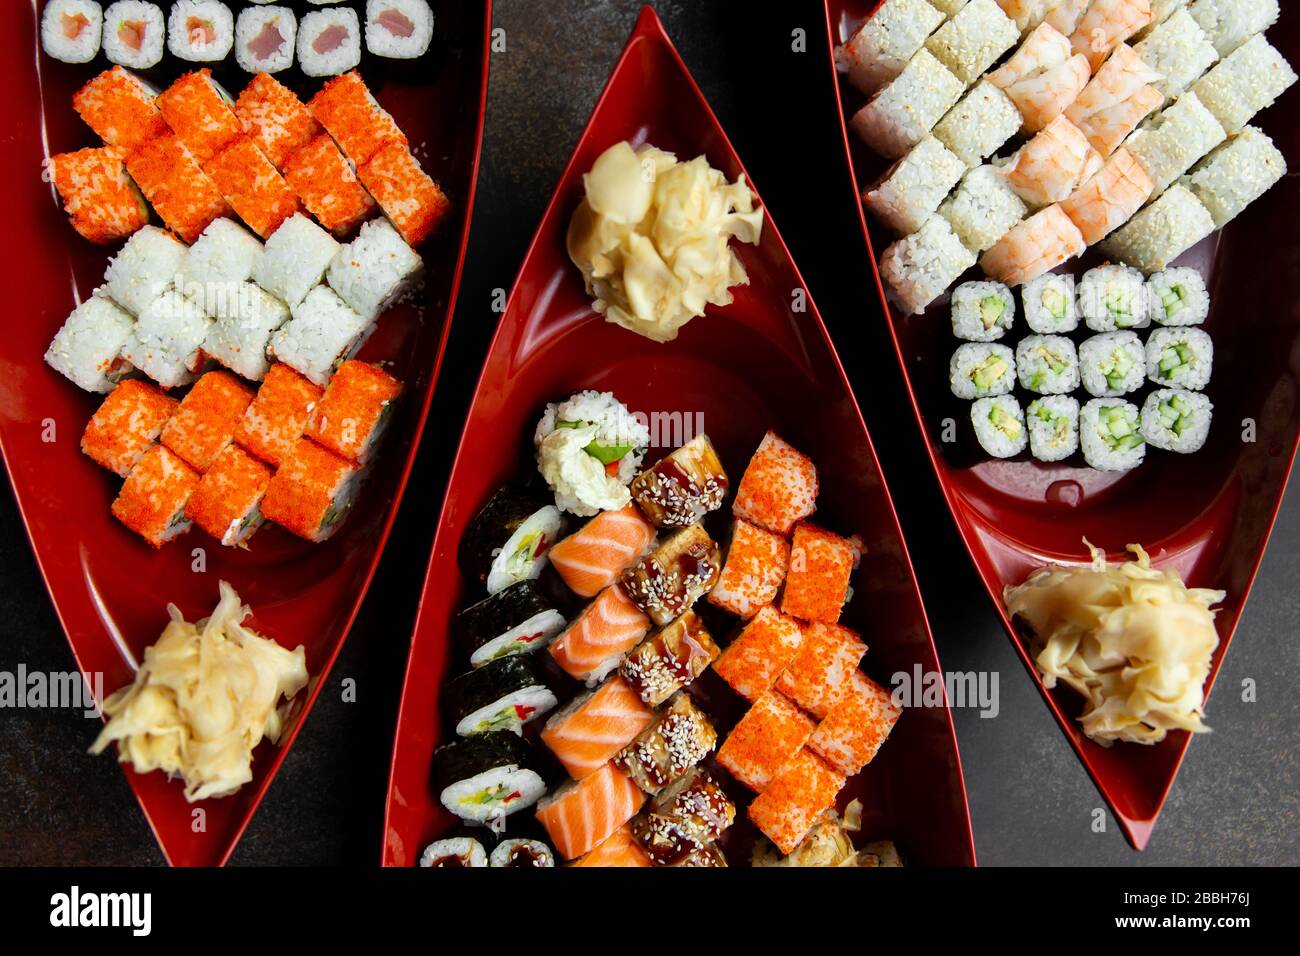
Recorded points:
(765, 361)
(1207, 515)
(109, 589)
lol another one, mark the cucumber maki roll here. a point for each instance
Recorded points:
(1050, 307)
(1114, 297)
(453, 852)
(1112, 364)
(1053, 427)
(1047, 364)
(982, 371)
(999, 426)
(518, 620)
(1181, 358)
(1177, 420)
(982, 311)
(522, 853)
(1110, 433)
(507, 542)
(503, 695)
(486, 778)
(1179, 297)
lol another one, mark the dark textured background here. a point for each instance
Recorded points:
(1236, 798)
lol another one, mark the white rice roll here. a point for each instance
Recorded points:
(87, 348)
(200, 31)
(167, 339)
(1161, 232)
(1179, 297)
(1169, 143)
(375, 270)
(883, 45)
(1177, 420)
(999, 426)
(240, 338)
(1111, 436)
(398, 29)
(1047, 364)
(982, 311)
(219, 263)
(454, 851)
(982, 371)
(1112, 364)
(146, 267)
(1236, 174)
(295, 259)
(1180, 51)
(321, 334)
(949, 8)
(983, 209)
(265, 39)
(1249, 80)
(917, 269)
(1114, 297)
(1049, 302)
(913, 188)
(71, 30)
(1180, 358)
(1230, 23)
(974, 39)
(1053, 422)
(329, 42)
(980, 124)
(902, 113)
(521, 852)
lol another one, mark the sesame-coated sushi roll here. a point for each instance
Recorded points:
(516, 852)
(779, 487)
(1180, 51)
(1050, 306)
(1112, 298)
(180, 192)
(1047, 364)
(295, 260)
(357, 406)
(503, 695)
(949, 8)
(1105, 25)
(1236, 174)
(227, 504)
(312, 492)
(1162, 231)
(135, 34)
(121, 108)
(217, 264)
(398, 29)
(980, 370)
(911, 190)
(153, 497)
(349, 113)
(1110, 198)
(1112, 365)
(1249, 80)
(817, 584)
(1053, 422)
(999, 426)
(87, 348)
(797, 796)
(375, 270)
(275, 118)
(167, 340)
(1110, 433)
(1179, 297)
(206, 421)
(595, 726)
(667, 582)
(144, 269)
(328, 185)
(200, 31)
(1230, 23)
(126, 426)
(265, 39)
(982, 311)
(1177, 420)
(755, 659)
(1171, 141)
(1042, 77)
(755, 569)
(919, 268)
(1180, 358)
(278, 415)
(100, 199)
(822, 671)
(683, 487)
(254, 188)
(852, 732)
(329, 42)
(904, 111)
(1116, 100)
(670, 747)
(405, 192)
(974, 39)
(517, 620)
(1052, 165)
(321, 334)
(200, 113)
(1036, 246)
(240, 338)
(71, 30)
(1026, 14)
(980, 124)
(685, 818)
(883, 45)
(983, 208)
(669, 659)
(764, 740)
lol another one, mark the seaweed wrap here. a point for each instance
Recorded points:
(509, 538)
(517, 620)
(503, 695)
(486, 778)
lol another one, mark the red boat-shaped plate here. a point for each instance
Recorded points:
(109, 588)
(1206, 515)
(763, 362)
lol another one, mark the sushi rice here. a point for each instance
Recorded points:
(1250, 79)
(983, 208)
(1047, 364)
(1112, 365)
(982, 371)
(982, 311)
(1050, 305)
(1113, 298)
(71, 30)
(86, 349)
(902, 113)
(200, 31)
(329, 42)
(980, 124)
(398, 29)
(265, 39)
(1230, 23)
(1110, 434)
(321, 334)
(1180, 51)
(1162, 231)
(882, 47)
(1236, 174)
(454, 851)
(999, 426)
(1177, 420)
(974, 39)
(135, 34)
(913, 188)
(144, 269)
(1179, 297)
(1180, 357)
(918, 268)
(1053, 422)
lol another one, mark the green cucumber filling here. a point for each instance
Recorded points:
(1118, 302)
(992, 308)
(1115, 427)
(529, 548)
(501, 794)
(1176, 414)
(603, 452)
(1173, 299)
(1054, 302)
(1054, 361)
(1174, 358)
(989, 372)
(1116, 368)
(1004, 422)
(1059, 424)
(507, 718)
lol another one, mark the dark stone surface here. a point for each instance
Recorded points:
(1236, 799)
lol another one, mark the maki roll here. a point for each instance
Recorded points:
(589, 448)
(671, 746)
(240, 338)
(278, 121)
(522, 853)
(120, 107)
(592, 558)
(1050, 306)
(454, 852)
(181, 193)
(517, 620)
(904, 111)
(126, 426)
(756, 567)
(817, 585)
(779, 486)
(265, 38)
(201, 31)
(684, 819)
(668, 581)
(979, 125)
(1236, 174)
(376, 269)
(101, 201)
(398, 29)
(682, 488)
(322, 333)
(1248, 80)
(153, 497)
(1053, 422)
(1114, 297)
(354, 412)
(252, 186)
(983, 208)
(327, 185)
(87, 348)
(1162, 231)
(215, 268)
(503, 695)
(1179, 297)
(352, 115)
(982, 311)
(912, 189)
(919, 268)
(1112, 364)
(886, 42)
(1110, 433)
(329, 42)
(486, 778)
(1177, 420)
(134, 34)
(507, 542)
(405, 192)
(167, 340)
(278, 415)
(71, 30)
(1047, 364)
(312, 492)
(295, 260)
(144, 269)
(1183, 358)
(228, 501)
(669, 659)
(982, 371)
(999, 426)
(207, 419)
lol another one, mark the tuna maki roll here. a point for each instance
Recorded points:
(999, 426)
(329, 42)
(982, 311)
(982, 371)
(1110, 435)
(265, 39)
(1114, 297)
(507, 542)
(1112, 364)
(1050, 307)
(1053, 427)
(1047, 364)
(454, 852)
(503, 695)
(398, 29)
(134, 34)
(201, 31)
(1177, 420)
(486, 778)
(1179, 297)
(517, 620)
(71, 30)
(1183, 358)
(522, 853)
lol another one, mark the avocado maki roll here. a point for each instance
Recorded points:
(1112, 364)
(518, 620)
(999, 426)
(982, 371)
(1177, 420)
(1110, 433)
(503, 695)
(1180, 358)
(1114, 297)
(454, 852)
(1050, 307)
(507, 542)
(1047, 364)
(486, 778)
(522, 853)
(1053, 422)
(982, 311)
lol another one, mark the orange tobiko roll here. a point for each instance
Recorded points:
(127, 425)
(278, 414)
(98, 195)
(121, 109)
(199, 114)
(764, 740)
(756, 565)
(822, 672)
(821, 564)
(312, 492)
(328, 185)
(153, 498)
(207, 418)
(228, 501)
(346, 108)
(778, 489)
(182, 194)
(278, 122)
(405, 193)
(254, 188)
(791, 804)
(755, 659)
(852, 731)
(357, 405)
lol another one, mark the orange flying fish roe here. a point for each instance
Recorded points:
(127, 425)
(99, 197)
(821, 564)
(328, 185)
(279, 123)
(354, 410)
(153, 498)
(823, 670)
(852, 731)
(405, 193)
(755, 659)
(229, 493)
(303, 497)
(779, 488)
(120, 109)
(788, 808)
(253, 187)
(186, 199)
(346, 108)
(278, 414)
(207, 418)
(199, 115)
(764, 740)
(756, 565)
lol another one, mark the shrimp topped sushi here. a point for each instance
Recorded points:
(1052, 165)
(1042, 77)
(1106, 24)
(1036, 246)
(1110, 198)
(1117, 99)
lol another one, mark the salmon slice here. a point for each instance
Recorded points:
(594, 728)
(619, 849)
(594, 556)
(596, 641)
(584, 813)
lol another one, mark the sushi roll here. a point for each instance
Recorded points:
(1053, 422)
(200, 112)
(1112, 364)
(1169, 143)
(949, 8)
(667, 582)
(200, 31)
(593, 557)
(983, 208)
(1179, 297)
(357, 406)
(295, 260)
(486, 778)
(135, 34)
(517, 620)
(779, 487)
(312, 492)
(1114, 298)
(398, 29)
(589, 448)
(754, 570)
(87, 349)
(582, 814)
(596, 641)
(375, 270)
(219, 262)
(503, 695)
(1162, 231)
(982, 311)
(1180, 358)
(684, 819)
(153, 497)
(1047, 364)
(166, 342)
(669, 659)
(979, 125)
(883, 45)
(1116, 100)
(1236, 174)
(1180, 51)
(329, 42)
(521, 853)
(794, 800)
(184, 196)
(349, 112)
(206, 421)
(919, 268)
(1042, 77)
(265, 38)
(1110, 198)
(1230, 23)
(275, 118)
(509, 539)
(454, 852)
(822, 671)
(911, 190)
(756, 657)
(1050, 306)
(683, 487)
(328, 186)
(709, 855)
(973, 39)
(126, 426)
(1038, 245)
(670, 747)
(240, 337)
(278, 415)
(1026, 14)
(121, 108)
(321, 334)
(1110, 433)
(764, 740)
(594, 727)
(852, 732)
(1177, 420)
(903, 112)
(999, 426)
(71, 30)
(145, 268)
(227, 504)
(1105, 25)
(619, 849)
(252, 186)
(413, 201)
(1052, 165)
(982, 371)
(817, 585)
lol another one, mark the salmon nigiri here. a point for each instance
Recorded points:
(595, 727)
(1106, 24)
(619, 849)
(596, 641)
(1111, 198)
(1116, 100)
(593, 557)
(1053, 164)
(583, 813)
(1043, 77)
(1036, 246)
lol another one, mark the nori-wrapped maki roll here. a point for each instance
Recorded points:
(508, 540)
(504, 695)
(518, 620)
(486, 778)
